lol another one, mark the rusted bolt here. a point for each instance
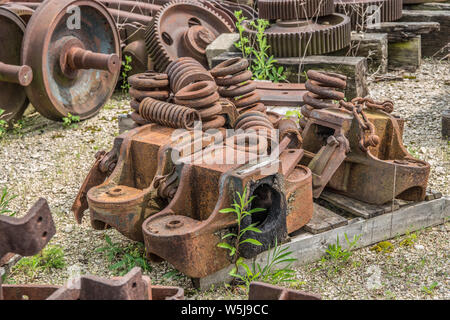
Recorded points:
(22, 75)
(115, 192)
(174, 224)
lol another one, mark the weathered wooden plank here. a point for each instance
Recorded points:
(402, 31)
(355, 207)
(405, 55)
(307, 247)
(435, 5)
(436, 43)
(372, 46)
(324, 220)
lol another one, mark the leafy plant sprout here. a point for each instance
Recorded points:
(262, 66)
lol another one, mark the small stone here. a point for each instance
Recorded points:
(419, 247)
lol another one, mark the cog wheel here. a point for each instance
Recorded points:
(297, 38)
(294, 9)
(183, 29)
(364, 11)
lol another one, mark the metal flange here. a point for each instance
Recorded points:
(75, 55)
(13, 76)
(183, 29)
(294, 9)
(296, 38)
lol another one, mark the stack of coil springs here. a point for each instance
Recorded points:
(234, 81)
(254, 133)
(322, 90)
(147, 85)
(185, 71)
(203, 97)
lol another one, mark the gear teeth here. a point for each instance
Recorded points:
(294, 9)
(314, 42)
(153, 42)
(391, 10)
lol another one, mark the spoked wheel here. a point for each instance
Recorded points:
(13, 76)
(73, 48)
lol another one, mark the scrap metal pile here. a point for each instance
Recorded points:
(27, 236)
(202, 136)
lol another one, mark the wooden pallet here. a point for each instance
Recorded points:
(336, 216)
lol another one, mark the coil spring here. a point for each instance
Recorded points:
(258, 132)
(185, 71)
(149, 85)
(234, 81)
(203, 97)
(167, 114)
(322, 88)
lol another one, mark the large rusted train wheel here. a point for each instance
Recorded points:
(75, 69)
(13, 77)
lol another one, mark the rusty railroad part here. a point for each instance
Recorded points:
(203, 97)
(28, 235)
(183, 29)
(168, 114)
(21, 10)
(296, 38)
(185, 71)
(162, 192)
(363, 12)
(265, 291)
(14, 76)
(294, 9)
(186, 234)
(322, 90)
(281, 94)
(234, 81)
(376, 172)
(132, 286)
(75, 71)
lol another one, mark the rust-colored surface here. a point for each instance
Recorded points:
(265, 291)
(183, 29)
(132, 286)
(281, 94)
(13, 75)
(75, 69)
(28, 235)
(234, 81)
(375, 176)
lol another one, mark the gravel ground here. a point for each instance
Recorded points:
(44, 159)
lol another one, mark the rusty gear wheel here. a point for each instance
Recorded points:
(294, 9)
(22, 11)
(77, 66)
(13, 99)
(183, 29)
(296, 38)
(361, 11)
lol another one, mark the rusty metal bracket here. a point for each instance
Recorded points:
(265, 291)
(28, 235)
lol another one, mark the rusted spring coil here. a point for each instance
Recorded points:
(167, 114)
(257, 123)
(185, 71)
(203, 97)
(322, 87)
(147, 85)
(234, 81)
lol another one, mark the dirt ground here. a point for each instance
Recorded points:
(42, 158)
